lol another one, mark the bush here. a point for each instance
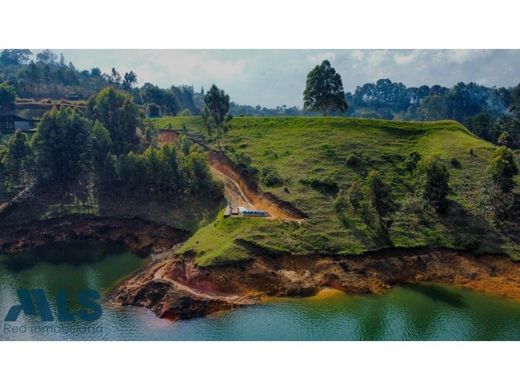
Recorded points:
(435, 184)
(243, 163)
(321, 183)
(270, 177)
(184, 112)
(380, 194)
(502, 169)
(411, 161)
(455, 163)
(354, 161)
(355, 195)
(340, 202)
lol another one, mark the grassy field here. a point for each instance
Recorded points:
(340, 151)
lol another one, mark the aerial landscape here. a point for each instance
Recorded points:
(240, 199)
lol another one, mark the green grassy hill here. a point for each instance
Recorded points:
(338, 151)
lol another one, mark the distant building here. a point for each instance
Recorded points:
(252, 213)
(10, 121)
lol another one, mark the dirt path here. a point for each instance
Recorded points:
(240, 190)
(248, 191)
(232, 191)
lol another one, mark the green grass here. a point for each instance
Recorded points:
(303, 148)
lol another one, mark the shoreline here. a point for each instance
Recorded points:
(173, 287)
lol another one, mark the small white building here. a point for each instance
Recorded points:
(252, 213)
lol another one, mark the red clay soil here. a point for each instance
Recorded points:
(260, 200)
(175, 288)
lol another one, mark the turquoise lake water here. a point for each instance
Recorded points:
(419, 312)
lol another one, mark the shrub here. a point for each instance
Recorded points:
(244, 163)
(505, 139)
(435, 183)
(270, 177)
(184, 112)
(355, 195)
(502, 169)
(380, 194)
(340, 202)
(411, 161)
(354, 161)
(455, 163)
(321, 183)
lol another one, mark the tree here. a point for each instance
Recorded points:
(169, 169)
(115, 77)
(379, 194)
(433, 107)
(216, 112)
(154, 110)
(61, 146)
(505, 139)
(129, 79)
(95, 72)
(502, 169)
(119, 115)
(434, 183)
(7, 97)
(324, 90)
(100, 147)
(47, 57)
(483, 126)
(17, 162)
(15, 56)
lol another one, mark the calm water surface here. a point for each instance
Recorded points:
(405, 313)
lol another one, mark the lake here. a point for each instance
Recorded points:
(416, 312)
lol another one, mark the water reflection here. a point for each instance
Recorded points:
(412, 312)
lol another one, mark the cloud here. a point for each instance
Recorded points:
(276, 77)
(320, 57)
(404, 59)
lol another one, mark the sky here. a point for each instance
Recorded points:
(272, 78)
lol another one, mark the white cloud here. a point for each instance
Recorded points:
(320, 57)
(404, 59)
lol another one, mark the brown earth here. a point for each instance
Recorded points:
(141, 237)
(175, 288)
(239, 188)
(258, 199)
(167, 136)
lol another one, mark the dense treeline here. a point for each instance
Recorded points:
(103, 149)
(49, 76)
(389, 100)
(488, 112)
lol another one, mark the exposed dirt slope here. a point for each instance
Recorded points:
(259, 200)
(239, 188)
(175, 288)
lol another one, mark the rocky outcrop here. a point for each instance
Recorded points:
(141, 237)
(175, 288)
